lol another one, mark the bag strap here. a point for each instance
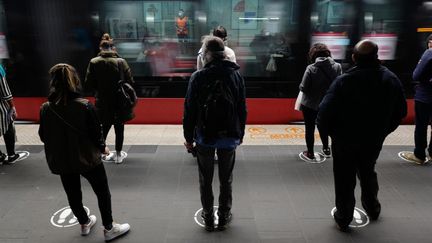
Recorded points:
(63, 120)
(120, 67)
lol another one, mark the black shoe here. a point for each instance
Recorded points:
(208, 221)
(2, 157)
(326, 152)
(343, 228)
(373, 213)
(341, 224)
(224, 220)
(12, 159)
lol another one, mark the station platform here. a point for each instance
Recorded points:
(276, 196)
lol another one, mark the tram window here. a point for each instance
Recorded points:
(331, 22)
(162, 38)
(382, 20)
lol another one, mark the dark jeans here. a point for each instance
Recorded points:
(423, 113)
(309, 116)
(119, 134)
(226, 160)
(347, 163)
(9, 138)
(99, 182)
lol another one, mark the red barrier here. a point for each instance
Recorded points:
(170, 110)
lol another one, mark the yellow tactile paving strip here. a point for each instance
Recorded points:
(173, 135)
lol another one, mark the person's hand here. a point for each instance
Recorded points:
(107, 151)
(189, 146)
(14, 113)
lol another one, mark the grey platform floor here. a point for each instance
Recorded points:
(277, 198)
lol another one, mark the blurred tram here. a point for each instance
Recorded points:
(271, 39)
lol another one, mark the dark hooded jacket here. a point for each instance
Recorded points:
(200, 79)
(363, 106)
(103, 75)
(72, 136)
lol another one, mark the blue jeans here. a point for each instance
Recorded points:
(226, 160)
(423, 113)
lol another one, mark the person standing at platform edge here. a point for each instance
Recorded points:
(73, 142)
(316, 81)
(220, 32)
(103, 75)
(214, 118)
(422, 76)
(7, 116)
(360, 109)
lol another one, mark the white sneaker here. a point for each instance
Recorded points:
(116, 231)
(118, 157)
(85, 228)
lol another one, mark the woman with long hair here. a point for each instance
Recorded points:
(73, 141)
(103, 75)
(315, 83)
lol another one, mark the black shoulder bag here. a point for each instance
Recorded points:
(126, 97)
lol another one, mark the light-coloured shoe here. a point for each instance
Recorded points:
(85, 228)
(118, 157)
(116, 231)
(410, 156)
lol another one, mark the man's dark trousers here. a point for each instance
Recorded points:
(226, 160)
(350, 161)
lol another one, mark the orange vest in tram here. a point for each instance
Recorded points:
(182, 26)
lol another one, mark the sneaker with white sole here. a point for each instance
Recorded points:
(85, 228)
(118, 157)
(410, 156)
(116, 231)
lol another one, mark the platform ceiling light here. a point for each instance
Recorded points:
(270, 18)
(428, 5)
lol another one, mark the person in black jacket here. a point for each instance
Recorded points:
(214, 118)
(73, 142)
(422, 76)
(360, 109)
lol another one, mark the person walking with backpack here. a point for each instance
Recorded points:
(316, 81)
(214, 118)
(73, 142)
(103, 75)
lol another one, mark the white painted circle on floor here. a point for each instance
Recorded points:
(110, 158)
(22, 155)
(319, 158)
(64, 217)
(360, 218)
(200, 221)
(403, 152)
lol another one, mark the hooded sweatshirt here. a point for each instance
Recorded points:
(317, 79)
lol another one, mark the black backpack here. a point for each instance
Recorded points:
(126, 98)
(217, 110)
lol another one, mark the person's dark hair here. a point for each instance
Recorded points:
(429, 38)
(318, 50)
(64, 83)
(106, 41)
(366, 51)
(215, 46)
(220, 32)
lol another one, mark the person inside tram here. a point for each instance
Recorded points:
(220, 32)
(73, 141)
(422, 77)
(103, 75)
(316, 80)
(182, 29)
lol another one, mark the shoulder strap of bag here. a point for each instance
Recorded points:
(63, 120)
(120, 66)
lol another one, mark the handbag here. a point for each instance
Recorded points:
(126, 98)
(299, 100)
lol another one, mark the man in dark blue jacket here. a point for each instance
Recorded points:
(422, 76)
(360, 109)
(214, 118)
